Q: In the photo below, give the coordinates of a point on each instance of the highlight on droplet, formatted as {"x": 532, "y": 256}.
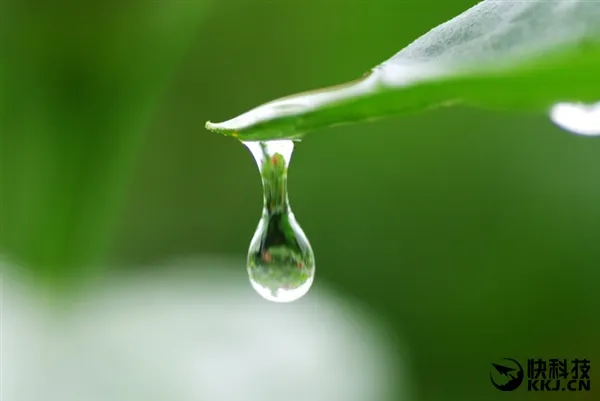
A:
{"x": 578, "y": 118}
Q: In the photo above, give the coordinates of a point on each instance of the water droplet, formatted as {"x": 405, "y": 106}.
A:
{"x": 578, "y": 118}
{"x": 281, "y": 263}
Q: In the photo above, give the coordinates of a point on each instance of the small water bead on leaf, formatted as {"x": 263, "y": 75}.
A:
{"x": 578, "y": 118}
{"x": 281, "y": 263}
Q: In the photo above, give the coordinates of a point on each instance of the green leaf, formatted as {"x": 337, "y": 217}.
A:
{"x": 519, "y": 55}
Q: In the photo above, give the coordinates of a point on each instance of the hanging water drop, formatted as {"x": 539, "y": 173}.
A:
{"x": 578, "y": 118}
{"x": 281, "y": 263}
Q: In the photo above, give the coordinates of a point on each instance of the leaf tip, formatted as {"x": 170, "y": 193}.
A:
{"x": 219, "y": 128}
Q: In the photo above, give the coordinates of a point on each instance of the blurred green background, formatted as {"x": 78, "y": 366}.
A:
{"x": 471, "y": 234}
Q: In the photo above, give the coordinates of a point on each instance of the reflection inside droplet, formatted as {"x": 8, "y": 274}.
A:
{"x": 281, "y": 263}
{"x": 578, "y": 118}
